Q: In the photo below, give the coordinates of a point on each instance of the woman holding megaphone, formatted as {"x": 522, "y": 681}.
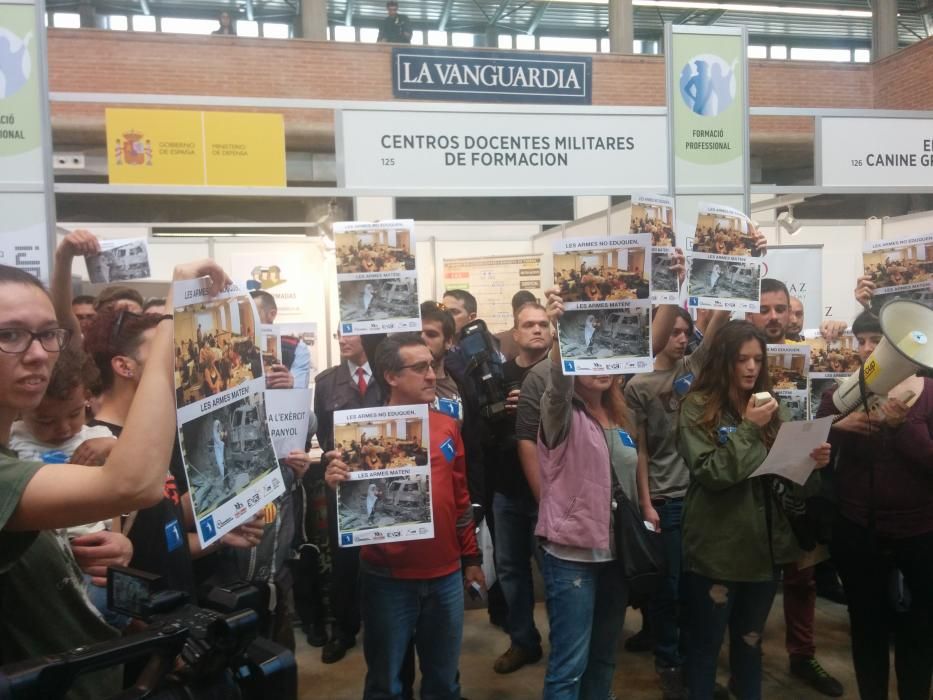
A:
{"x": 735, "y": 531}
{"x": 882, "y": 542}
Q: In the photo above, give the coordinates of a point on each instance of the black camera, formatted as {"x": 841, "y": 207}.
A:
{"x": 483, "y": 366}
{"x": 189, "y": 651}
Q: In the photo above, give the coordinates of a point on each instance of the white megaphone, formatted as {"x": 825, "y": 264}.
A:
{"x": 907, "y": 346}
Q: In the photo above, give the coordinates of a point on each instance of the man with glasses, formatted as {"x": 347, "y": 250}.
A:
{"x": 347, "y": 386}
{"x": 414, "y": 590}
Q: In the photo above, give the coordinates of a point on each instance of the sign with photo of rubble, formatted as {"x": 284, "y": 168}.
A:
{"x": 388, "y": 495}
{"x": 119, "y": 260}
{"x": 721, "y": 272}
{"x": 654, "y": 214}
{"x": 223, "y": 426}
{"x": 789, "y": 369}
{"x": 377, "y": 283}
{"x": 605, "y": 285}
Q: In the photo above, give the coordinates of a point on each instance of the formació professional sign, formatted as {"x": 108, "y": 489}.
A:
{"x": 491, "y": 76}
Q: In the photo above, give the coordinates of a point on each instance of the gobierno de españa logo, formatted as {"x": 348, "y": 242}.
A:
{"x": 707, "y": 85}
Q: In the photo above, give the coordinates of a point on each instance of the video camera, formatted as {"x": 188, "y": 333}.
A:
{"x": 220, "y": 654}
{"x": 483, "y": 366}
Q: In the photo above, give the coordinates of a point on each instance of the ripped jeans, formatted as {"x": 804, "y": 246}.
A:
{"x": 711, "y": 606}
{"x": 585, "y": 608}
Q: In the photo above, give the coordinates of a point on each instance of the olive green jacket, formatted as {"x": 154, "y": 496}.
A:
{"x": 725, "y": 522}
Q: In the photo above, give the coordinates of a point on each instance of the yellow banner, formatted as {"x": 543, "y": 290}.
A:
{"x": 182, "y": 147}
{"x": 245, "y": 149}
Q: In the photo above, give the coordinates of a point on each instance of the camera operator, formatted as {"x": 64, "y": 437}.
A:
{"x": 884, "y": 525}
{"x": 42, "y": 604}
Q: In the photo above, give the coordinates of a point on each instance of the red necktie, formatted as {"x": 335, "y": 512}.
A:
{"x": 361, "y": 380}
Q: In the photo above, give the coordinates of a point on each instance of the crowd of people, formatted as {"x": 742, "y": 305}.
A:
{"x": 373, "y": 257}
{"x": 662, "y": 235}
{"x": 722, "y": 241}
{"x": 603, "y": 283}
{"x": 92, "y": 477}
{"x": 900, "y": 272}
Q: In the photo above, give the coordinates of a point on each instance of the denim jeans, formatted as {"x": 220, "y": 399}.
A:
{"x": 515, "y": 521}
{"x": 586, "y": 608}
{"x": 713, "y": 605}
{"x": 664, "y": 611}
{"x": 395, "y": 611}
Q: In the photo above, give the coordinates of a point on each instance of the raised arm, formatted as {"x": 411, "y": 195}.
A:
{"x": 76, "y": 243}
{"x": 133, "y": 476}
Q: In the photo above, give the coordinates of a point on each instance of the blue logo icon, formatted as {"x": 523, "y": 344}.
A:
{"x": 707, "y": 85}
{"x": 694, "y": 301}
{"x": 207, "y": 528}
{"x": 346, "y": 328}
{"x": 569, "y": 366}
{"x": 346, "y": 539}
{"x": 15, "y": 66}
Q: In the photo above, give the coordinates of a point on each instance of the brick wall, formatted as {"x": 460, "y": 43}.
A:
{"x": 904, "y": 80}
{"x": 104, "y": 61}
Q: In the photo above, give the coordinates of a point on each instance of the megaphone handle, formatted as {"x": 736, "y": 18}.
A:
{"x": 863, "y": 392}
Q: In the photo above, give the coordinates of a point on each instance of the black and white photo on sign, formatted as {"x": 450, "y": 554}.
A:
{"x": 605, "y": 334}
{"x": 385, "y": 502}
{"x": 663, "y": 278}
{"x": 794, "y": 404}
{"x": 119, "y": 260}
{"x": 900, "y": 265}
{"x": 378, "y": 300}
{"x": 723, "y": 282}
{"x": 375, "y": 250}
{"x": 226, "y": 451}
{"x": 215, "y": 347}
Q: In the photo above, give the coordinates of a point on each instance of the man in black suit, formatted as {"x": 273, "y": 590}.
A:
{"x": 349, "y": 385}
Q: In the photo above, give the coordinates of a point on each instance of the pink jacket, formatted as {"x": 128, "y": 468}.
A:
{"x": 575, "y": 500}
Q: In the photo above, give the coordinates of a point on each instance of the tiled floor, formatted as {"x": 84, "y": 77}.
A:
{"x": 634, "y": 678}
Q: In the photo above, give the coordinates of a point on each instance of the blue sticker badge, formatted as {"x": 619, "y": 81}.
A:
{"x": 626, "y": 438}
{"x": 448, "y": 449}
{"x": 346, "y": 539}
{"x": 694, "y": 301}
{"x": 569, "y": 366}
{"x": 724, "y": 432}
{"x": 54, "y": 457}
{"x": 207, "y": 528}
{"x": 173, "y": 536}
{"x": 450, "y": 407}
{"x": 347, "y": 328}
{"x": 682, "y": 384}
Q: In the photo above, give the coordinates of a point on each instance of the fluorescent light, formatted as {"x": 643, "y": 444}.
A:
{"x": 735, "y": 7}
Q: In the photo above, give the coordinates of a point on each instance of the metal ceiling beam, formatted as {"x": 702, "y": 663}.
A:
{"x": 144, "y": 6}
{"x": 348, "y": 17}
{"x": 712, "y": 17}
{"x": 685, "y": 17}
{"x": 503, "y": 6}
{"x": 538, "y": 16}
{"x": 445, "y": 15}
{"x": 249, "y": 10}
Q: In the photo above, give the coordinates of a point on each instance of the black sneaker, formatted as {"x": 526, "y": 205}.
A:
{"x": 809, "y": 669}
{"x": 671, "y": 680}
{"x": 335, "y": 650}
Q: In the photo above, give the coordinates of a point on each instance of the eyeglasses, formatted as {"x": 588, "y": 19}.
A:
{"x": 418, "y": 367}
{"x": 18, "y": 340}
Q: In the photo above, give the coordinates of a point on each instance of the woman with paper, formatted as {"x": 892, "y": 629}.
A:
{"x": 735, "y": 530}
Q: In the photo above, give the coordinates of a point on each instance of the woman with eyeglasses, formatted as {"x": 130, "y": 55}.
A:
{"x": 585, "y": 441}
{"x": 41, "y": 610}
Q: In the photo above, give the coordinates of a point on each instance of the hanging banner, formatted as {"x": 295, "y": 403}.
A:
{"x": 877, "y": 152}
{"x": 708, "y": 100}
{"x": 800, "y": 267}
{"x": 185, "y": 147}
{"x": 25, "y": 181}
{"x": 493, "y": 281}
{"x": 420, "y": 150}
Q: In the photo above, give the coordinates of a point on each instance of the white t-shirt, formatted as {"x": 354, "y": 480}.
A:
{"x": 28, "y": 448}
